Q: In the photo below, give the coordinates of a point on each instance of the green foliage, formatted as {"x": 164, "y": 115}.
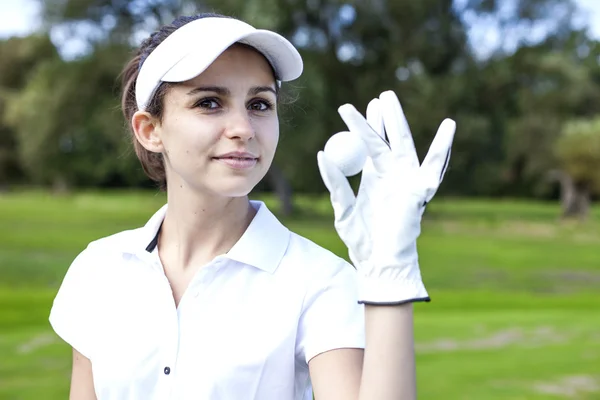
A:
{"x": 69, "y": 126}
{"x": 544, "y": 86}
{"x": 20, "y": 56}
{"x": 509, "y": 107}
{"x": 19, "y": 59}
{"x": 110, "y": 20}
{"x": 578, "y": 152}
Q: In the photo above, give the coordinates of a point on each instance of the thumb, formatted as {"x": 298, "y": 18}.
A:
{"x": 342, "y": 196}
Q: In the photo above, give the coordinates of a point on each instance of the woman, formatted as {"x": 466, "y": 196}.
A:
{"x": 213, "y": 298}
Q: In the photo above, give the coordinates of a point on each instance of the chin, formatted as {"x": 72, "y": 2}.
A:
{"x": 226, "y": 185}
{"x": 235, "y": 187}
{"x": 235, "y": 192}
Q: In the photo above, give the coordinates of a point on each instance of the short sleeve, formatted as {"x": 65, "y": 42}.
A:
{"x": 331, "y": 317}
{"x": 73, "y": 311}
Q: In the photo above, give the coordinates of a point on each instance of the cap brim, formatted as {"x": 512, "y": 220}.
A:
{"x": 281, "y": 54}
{"x": 192, "y": 48}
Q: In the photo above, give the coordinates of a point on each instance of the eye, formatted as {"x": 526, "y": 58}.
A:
{"x": 260, "y": 105}
{"x": 209, "y": 104}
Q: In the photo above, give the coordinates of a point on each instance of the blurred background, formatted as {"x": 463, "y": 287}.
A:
{"x": 509, "y": 250}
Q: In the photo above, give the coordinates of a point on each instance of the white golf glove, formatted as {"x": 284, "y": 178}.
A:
{"x": 381, "y": 224}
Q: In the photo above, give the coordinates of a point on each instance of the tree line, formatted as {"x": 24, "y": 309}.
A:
{"x": 526, "y": 113}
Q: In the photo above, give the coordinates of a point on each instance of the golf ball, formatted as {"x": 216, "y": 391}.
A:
{"x": 347, "y": 151}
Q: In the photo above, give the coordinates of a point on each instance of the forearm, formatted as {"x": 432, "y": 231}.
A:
{"x": 389, "y": 358}
{"x": 82, "y": 381}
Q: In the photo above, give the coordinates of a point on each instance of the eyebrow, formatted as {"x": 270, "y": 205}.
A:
{"x": 260, "y": 89}
{"x": 223, "y": 91}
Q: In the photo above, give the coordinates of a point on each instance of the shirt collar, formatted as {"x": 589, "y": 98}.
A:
{"x": 262, "y": 245}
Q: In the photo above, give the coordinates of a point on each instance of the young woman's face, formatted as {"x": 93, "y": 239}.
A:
{"x": 220, "y": 130}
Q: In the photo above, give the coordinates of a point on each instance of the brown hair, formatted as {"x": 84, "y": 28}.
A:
{"x": 152, "y": 163}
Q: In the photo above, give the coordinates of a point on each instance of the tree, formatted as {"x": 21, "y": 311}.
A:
{"x": 20, "y": 58}
{"x": 69, "y": 127}
{"x": 578, "y": 154}
{"x": 508, "y": 106}
{"x": 537, "y": 89}
{"x": 110, "y": 21}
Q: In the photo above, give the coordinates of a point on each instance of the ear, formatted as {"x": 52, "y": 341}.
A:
{"x": 147, "y": 131}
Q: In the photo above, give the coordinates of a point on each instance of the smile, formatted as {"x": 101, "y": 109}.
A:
{"x": 239, "y": 163}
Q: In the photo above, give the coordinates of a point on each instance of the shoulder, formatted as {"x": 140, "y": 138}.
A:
{"x": 102, "y": 254}
{"x": 304, "y": 249}
{"x": 331, "y": 317}
{"x": 318, "y": 264}
{"x": 267, "y": 241}
{"x": 88, "y": 284}
{"x": 117, "y": 242}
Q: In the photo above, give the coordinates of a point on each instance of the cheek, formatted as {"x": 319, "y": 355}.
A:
{"x": 189, "y": 137}
{"x": 270, "y": 135}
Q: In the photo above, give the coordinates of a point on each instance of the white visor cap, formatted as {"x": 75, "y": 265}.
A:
{"x": 190, "y": 50}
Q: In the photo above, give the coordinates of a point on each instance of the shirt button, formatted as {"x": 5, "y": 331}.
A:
{"x": 167, "y": 370}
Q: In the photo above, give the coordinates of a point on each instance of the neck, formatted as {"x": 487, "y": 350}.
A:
{"x": 196, "y": 229}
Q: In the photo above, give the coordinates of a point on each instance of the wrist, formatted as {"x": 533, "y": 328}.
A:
{"x": 390, "y": 287}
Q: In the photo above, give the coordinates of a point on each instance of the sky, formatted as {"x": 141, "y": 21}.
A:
{"x": 20, "y": 17}
{"x": 593, "y": 9}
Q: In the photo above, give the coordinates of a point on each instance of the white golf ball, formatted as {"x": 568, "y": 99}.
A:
{"x": 347, "y": 151}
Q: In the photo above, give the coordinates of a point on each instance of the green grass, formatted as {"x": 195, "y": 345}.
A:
{"x": 515, "y": 292}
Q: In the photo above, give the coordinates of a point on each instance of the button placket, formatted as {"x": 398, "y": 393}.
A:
{"x": 170, "y": 338}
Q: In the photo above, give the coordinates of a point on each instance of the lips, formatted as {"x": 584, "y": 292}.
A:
{"x": 244, "y": 155}
{"x": 235, "y": 158}
{"x": 238, "y": 160}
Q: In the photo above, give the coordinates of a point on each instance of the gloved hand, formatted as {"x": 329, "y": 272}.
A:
{"x": 381, "y": 224}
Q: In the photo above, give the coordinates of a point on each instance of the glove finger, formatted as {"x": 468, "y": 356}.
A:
{"x": 375, "y": 119}
{"x": 436, "y": 162}
{"x": 376, "y": 146}
{"x": 397, "y": 129}
{"x": 342, "y": 196}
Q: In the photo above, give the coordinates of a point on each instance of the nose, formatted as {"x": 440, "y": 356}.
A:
{"x": 239, "y": 125}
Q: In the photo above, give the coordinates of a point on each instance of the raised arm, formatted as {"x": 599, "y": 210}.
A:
{"x": 389, "y": 361}
{"x": 380, "y": 227}
{"x": 386, "y": 370}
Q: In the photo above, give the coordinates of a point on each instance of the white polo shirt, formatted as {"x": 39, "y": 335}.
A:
{"x": 245, "y": 328}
